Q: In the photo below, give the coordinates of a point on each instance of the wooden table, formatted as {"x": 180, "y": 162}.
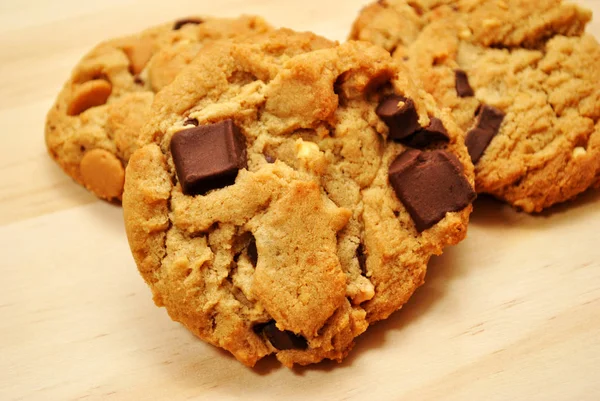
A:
{"x": 513, "y": 313}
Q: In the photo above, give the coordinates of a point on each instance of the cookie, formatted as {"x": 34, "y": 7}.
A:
{"x": 277, "y": 207}
{"x": 92, "y": 129}
{"x": 521, "y": 80}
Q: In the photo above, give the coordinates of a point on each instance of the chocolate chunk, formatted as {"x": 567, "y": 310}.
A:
{"x": 435, "y": 132}
{"x": 338, "y": 84}
{"x": 259, "y": 327}
{"x": 252, "y": 252}
{"x": 463, "y": 88}
{"x": 208, "y": 157}
{"x": 282, "y": 340}
{"x": 430, "y": 184}
{"x": 185, "y": 21}
{"x": 400, "y": 115}
{"x": 362, "y": 259}
{"x": 270, "y": 159}
{"x": 489, "y": 120}
{"x": 191, "y": 121}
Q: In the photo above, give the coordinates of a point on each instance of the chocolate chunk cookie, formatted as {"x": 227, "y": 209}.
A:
{"x": 92, "y": 129}
{"x": 280, "y": 205}
{"x": 521, "y": 79}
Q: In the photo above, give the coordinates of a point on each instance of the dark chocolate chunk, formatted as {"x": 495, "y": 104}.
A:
{"x": 259, "y": 327}
{"x": 362, "y": 259}
{"x": 208, "y": 157}
{"x": 270, "y": 159}
{"x": 435, "y": 132}
{"x": 489, "y": 120}
{"x": 430, "y": 184}
{"x": 191, "y": 121}
{"x": 282, "y": 340}
{"x": 337, "y": 85}
{"x": 178, "y": 24}
{"x": 402, "y": 120}
{"x": 463, "y": 88}
{"x": 252, "y": 252}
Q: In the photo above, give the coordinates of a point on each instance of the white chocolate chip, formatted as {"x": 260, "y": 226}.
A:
{"x": 503, "y": 4}
{"x": 490, "y": 23}
{"x": 309, "y": 154}
{"x": 579, "y": 152}
{"x": 306, "y": 150}
{"x": 365, "y": 293}
{"x": 465, "y": 34}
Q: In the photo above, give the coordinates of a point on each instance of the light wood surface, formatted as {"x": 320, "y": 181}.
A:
{"x": 513, "y": 313}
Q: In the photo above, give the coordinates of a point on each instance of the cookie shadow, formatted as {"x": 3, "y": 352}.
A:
{"x": 580, "y": 203}
{"x": 440, "y": 272}
{"x": 489, "y": 212}
{"x": 62, "y": 185}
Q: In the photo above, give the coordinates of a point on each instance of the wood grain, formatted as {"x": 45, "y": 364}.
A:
{"x": 513, "y": 313}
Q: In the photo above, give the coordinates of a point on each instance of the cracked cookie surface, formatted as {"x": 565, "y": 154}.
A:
{"x": 528, "y": 60}
{"x": 260, "y": 210}
{"x": 92, "y": 129}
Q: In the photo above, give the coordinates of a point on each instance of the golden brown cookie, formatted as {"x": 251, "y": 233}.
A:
{"x": 92, "y": 128}
{"x": 521, "y": 79}
{"x": 291, "y": 192}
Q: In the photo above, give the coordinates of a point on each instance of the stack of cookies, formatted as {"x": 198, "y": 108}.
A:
{"x": 282, "y": 192}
